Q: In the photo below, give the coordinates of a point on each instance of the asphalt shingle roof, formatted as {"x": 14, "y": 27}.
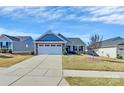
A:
{"x": 112, "y": 42}
{"x": 72, "y": 41}
{"x": 75, "y": 41}
{"x": 23, "y": 38}
{"x": 17, "y": 38}
{"x": 63, "y": 37}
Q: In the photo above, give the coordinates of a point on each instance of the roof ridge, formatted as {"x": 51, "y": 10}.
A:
{"x": 74, "y": 37}
{"x": 114, "y": 38}
{"x": 15, "y": 38}
{"x": 62, "y": 36}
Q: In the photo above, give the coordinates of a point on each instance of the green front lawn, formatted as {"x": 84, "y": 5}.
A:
{"x": 86, "y": 62}
{"x": 7, "y": 60}
{"x": 79, "y": 81}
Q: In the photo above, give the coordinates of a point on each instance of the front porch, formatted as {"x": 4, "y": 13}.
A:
{"x": 75, "y": 49}
{"x": 5, "y": 45}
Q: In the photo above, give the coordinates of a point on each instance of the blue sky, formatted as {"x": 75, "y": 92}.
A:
{"x": 70, "y": 21}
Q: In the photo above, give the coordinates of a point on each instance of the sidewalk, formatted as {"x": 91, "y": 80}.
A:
{"x": 84, "y": 73}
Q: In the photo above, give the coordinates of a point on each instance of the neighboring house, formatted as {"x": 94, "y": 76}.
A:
{"x": 111, "y": 47}
{"x": 17, "y": 44}
{"x": 51, "y": 43}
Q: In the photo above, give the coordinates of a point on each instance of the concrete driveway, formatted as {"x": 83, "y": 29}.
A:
{"x": 41, "y": 70}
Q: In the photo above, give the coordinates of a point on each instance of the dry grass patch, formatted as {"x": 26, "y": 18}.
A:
{"x": 86, "y": 62}
{"x": 7, "y": 60}
{"x": 85, "y": 81}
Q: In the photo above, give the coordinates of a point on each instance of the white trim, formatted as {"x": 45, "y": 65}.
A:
{"x": 12, "y": 46}
{"x": 49, "y": 42}
{"x": 21, "y": 51}
{"x": 7, "y": 37}
{"x": 60, "y": 38}
{"x": 35, "y": 49}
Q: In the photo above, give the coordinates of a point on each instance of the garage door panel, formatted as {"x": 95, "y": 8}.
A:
{"x": 56, "y": 50}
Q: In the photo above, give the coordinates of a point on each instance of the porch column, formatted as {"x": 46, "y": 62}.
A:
{"x": 35, "y": 48}
{"x": 12, "y": 46}
{"x": 78, "y": 49}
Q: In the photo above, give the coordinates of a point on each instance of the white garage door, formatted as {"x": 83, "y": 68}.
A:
{"x": 50, "y": 49}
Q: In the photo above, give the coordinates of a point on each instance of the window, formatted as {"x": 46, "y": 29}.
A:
{"x": 53, "y": 45}
{"x": 47, "y": 45}
{"x": 80, "y": 48}
{"x": 26, "y": 45}
{"x": 4, "y": 44}
{"x": 75, "y": 47}
{"x": 41, "y": 45}
{"x": 121, "y": 48}
{"x": 58, "y": 45}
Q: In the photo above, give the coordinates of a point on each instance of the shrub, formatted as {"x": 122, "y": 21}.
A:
{"x": 64, "y": 52}
{"x": 4, "y": 50}
{"x": 119, "y": 56}
{"x": 31, "y": 53}
{"x": 10, "y": 51}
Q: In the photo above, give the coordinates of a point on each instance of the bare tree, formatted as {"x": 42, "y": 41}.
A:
{"x": 95, "y": 42}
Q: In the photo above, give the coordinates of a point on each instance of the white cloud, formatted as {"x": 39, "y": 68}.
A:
{"x": 109, "y": 15}
{"x": 17, "y": 33}
{"x": 36, "y": 13}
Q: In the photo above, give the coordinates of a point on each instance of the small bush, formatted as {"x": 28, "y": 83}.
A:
{"x": 4, "y": 50}
{"x": 64, "y": 52}
{"x": 119, "y": 56}
{"x": 10, "y": 51}
{"x": 31, "y": 53}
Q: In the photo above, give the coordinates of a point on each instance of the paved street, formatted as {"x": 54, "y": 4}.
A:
{"x": 41, "y": 70}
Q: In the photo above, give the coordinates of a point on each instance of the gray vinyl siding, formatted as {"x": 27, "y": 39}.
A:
{"x": 21, "y": 46}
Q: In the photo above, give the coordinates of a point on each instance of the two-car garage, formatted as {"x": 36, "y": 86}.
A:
{"x": 49, "y": 43}
{"x": 50, "y": 49}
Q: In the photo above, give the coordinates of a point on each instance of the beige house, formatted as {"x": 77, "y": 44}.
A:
{"x": 111, "y": 48}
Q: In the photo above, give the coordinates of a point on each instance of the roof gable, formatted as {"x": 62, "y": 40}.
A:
{"x": 49, "y": 36}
